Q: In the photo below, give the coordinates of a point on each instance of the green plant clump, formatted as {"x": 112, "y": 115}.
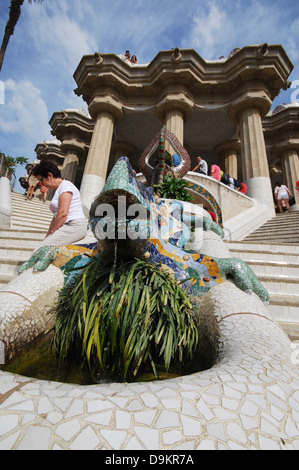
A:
{"x": 119, "y": 318}
{"x": 173, "y": 188}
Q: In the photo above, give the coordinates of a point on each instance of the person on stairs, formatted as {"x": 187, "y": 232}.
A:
{"x": 282, "y": 196}
{"x": 32, "y": 183}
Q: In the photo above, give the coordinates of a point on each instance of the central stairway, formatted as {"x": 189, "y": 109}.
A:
{"x": 272, "y": 251}
{"x": 281, "y": 229}
{"x": 29, "y": 225}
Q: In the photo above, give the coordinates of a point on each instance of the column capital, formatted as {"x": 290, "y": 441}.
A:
{"x": 50, "y": 150}
{"x": 175, "y": 102}
{"x": 284, "y": 145}
{"x": 227, "y": 146}
{"x": 106, "y": 104}
{"x": 74, "y": 145}
{"x": 257, "y": 99}
{"x": 122, "y": 146}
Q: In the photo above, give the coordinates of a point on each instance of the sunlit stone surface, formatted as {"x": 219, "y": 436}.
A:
{"x": 248, "y": 400}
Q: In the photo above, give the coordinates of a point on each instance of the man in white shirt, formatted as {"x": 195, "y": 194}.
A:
{"x": 201, "y": 167}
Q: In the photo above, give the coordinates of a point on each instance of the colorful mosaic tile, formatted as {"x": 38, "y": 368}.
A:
{"x": 154, "y": 175}
{"x": 161, "y": 243}
{"x": 209, "y": 197}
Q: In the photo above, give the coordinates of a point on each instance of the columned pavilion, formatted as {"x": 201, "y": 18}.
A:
{"x": 217, "y": 109}
{"x": 206, "y": 104}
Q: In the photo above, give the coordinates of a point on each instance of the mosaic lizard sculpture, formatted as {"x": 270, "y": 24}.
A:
{"x": 155, "y": 175}
{"x": 128, "y": 215}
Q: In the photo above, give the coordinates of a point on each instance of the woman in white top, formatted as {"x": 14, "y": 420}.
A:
{"x": 68, "y": 224}
{"x": 282, "y": 195}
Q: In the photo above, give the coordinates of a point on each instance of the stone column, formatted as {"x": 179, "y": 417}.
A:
{"x": 122, "y": 149}
{"x": 173, "y": 110}
{"x": 231, "y": 163}
{"x": 174, "y": 121}
{"x": 70, "y": 165}
{"x": 255, "y": 169}
{"x": 290, "y": 172}
{"x": 73, "y": 128}
{"x": 229, "y": 152}
{"x": 105, "y": 113}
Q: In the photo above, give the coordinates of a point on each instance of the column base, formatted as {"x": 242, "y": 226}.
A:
{"x": 91, "y": 186}
{"x": 259, "y": 188}
{"x": 5, "y": 203}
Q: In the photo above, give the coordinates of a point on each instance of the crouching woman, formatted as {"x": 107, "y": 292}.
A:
{"x": 68, "y": 224}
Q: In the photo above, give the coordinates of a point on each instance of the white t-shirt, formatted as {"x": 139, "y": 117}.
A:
{"x": 75, "y": 210}
{"x": 203, "y": 166}
{"x": 281, "y": 192}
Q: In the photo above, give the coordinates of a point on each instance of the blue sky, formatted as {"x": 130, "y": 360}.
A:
{"x": 51, "y": 38}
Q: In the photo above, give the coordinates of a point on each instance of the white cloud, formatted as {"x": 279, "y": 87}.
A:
{"x": 59, "y": 38}
{"x": 24, "y": 111}
{"x": 218, "y": 26}
{"x": 209, "y": 29}
{"x": 292, "y": 41}
{"x": 208, "y": 25}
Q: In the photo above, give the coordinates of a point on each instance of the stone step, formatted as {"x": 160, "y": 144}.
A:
{"x": 22, "y": 210}
{"x": 284, "y": 309}
{"x": 281, "y": 266}
{"x": 35, "y": 214}
{"x": 281, "y": 229}
{"x": 6, "y": 278}
{"x": 290, "y": 214}
{"x": 279, "y": 232}
{"x": 285, "y": 216}
{"x": 22, "y": 202}
{"x": 267, "y": 251}
{"x": 274, "y": 241}
{"x": 19, "y": 224}
{"x": 12, "y": 234}
{"x": 30, "y": 222}
{"x": 285, "y": 299}
{"x": 19, "y": 243}
{"x": 32, "y": 206}
{"x": 9, "y": 267}
{"x": 30, "y": 219}
{"x": 269, "y": 269}
{"x": 274, "y": 238}
{"x": 20, "y": 198}
{"x": 281, "y": 286}
{"x": 15, "y": 253}
{"x": 15, "y": 195}
{"x": 277, "y": 227}
{"x": 277, "y": 267}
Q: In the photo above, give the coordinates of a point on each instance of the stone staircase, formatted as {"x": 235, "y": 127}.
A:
{"x": 30, "y": 222}
{"x": 272, "y": 252}
{"x": 283, "y": 228}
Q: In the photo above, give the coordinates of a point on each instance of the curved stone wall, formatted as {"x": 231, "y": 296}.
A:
{"x": 248, "y": 400}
